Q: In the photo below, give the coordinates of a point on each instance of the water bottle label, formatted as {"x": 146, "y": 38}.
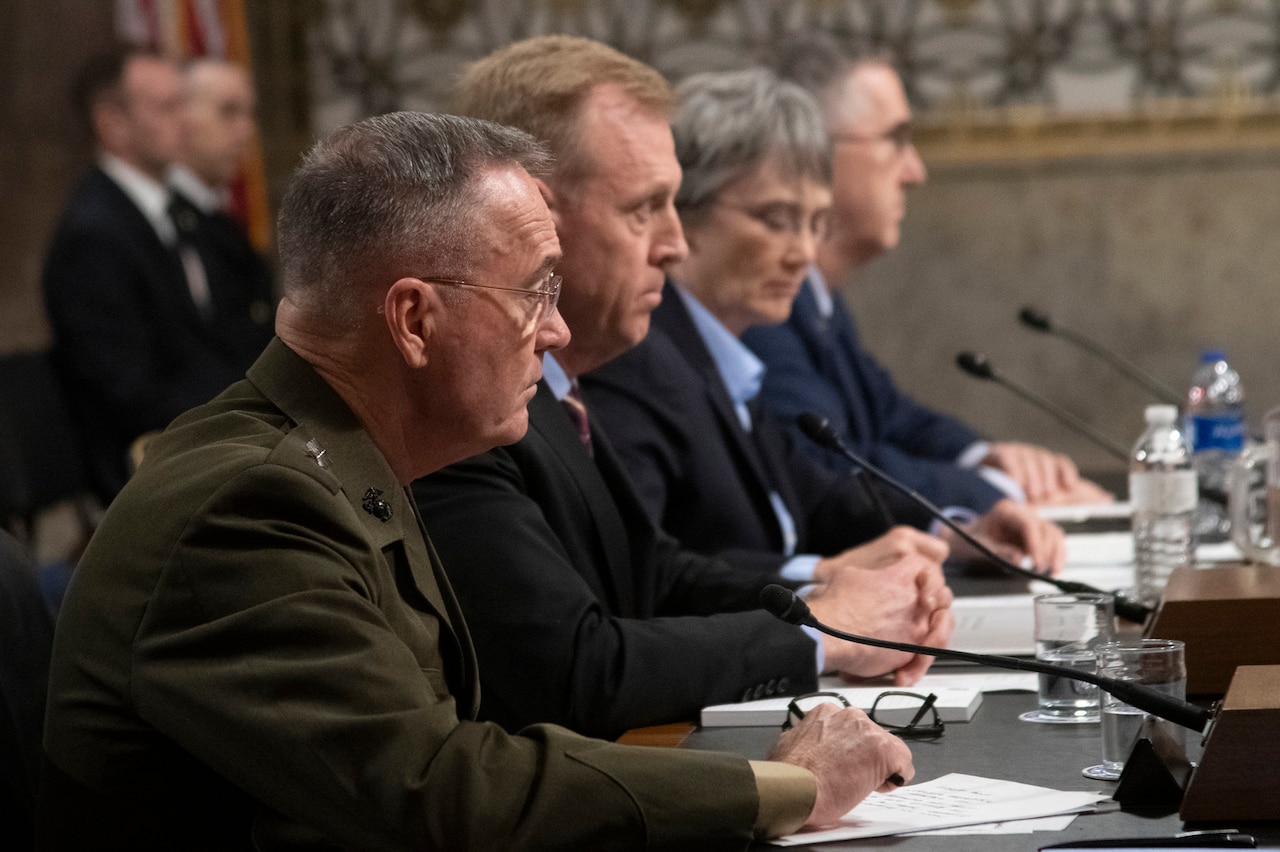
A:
{"x": 1163, "y": 492}
{"x": 1216, "y": 433}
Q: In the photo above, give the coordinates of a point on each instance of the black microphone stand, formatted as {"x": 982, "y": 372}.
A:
{"x": 979, "y": 367}
{"x": 786, "y": 605}
{"x": 1032, "y": 318}
{"x": 819, "y": 431}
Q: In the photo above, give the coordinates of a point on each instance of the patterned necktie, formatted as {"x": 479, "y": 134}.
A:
{"x": 577, "y": 409}
{"x": 185, "y": 220}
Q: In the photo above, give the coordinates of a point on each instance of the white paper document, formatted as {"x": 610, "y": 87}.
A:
{"x": 1017, "y": 826}
{"x": 952, "y": 800}
{"x": 1118, "y": 509}
{"x": 987, "y": 681}
{"x": 993, "y": 624}
{"x": 1111, "y": 548}
{"x": 1091, "y": 550}
{"x": 954, "y": 704}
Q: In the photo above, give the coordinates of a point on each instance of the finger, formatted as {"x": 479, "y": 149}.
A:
{"x": 946, "y": 598}
{"x": 940, "y": 628}
{"x": 929, "y": 546}
{"x": 1059, "y": 554}
{"x": 929, "y": 579}
{"x": 1068, "y": 475}
{"x": 1043, "y": 475}
{"x": 1036, "y": 541}
{"x": 898, "y": 763}
{"x": 902, "y": 542}
{"x": 910, "y": 674}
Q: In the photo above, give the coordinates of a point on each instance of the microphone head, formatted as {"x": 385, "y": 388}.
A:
{"x": 784, "y": 603}
{"x": 818, "y": 429}
{"x": 976, "y": 364}
{"x": 1034, "y": 319}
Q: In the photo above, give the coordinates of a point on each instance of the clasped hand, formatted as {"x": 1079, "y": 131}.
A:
{"x": 891, "y": 588}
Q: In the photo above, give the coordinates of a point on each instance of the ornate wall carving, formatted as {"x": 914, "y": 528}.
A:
{"x": 1116, "y": 162}
{"x": 989, "y": 79}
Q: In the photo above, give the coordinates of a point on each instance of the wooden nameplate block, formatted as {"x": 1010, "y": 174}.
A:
{"x": 1228, "y": 616}
{"x": 1239, "y": 773}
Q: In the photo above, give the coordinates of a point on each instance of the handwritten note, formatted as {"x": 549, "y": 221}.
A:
{"x": 951, "y": 800}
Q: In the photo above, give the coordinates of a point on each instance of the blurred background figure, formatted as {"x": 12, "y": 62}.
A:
{"x": 142, "y": 329}
{"x": 218, "y": 128}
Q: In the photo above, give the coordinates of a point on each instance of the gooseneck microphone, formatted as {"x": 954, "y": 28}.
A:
{"x": 979, "y": 367}
{"x": 1032, "y": 318}
{"x": 818, "y": 430}
{"x": 787, "y": 605}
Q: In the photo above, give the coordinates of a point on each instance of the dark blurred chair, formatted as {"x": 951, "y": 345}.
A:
{"x": 40, "y": 463}
{"x": 26, "y": 638}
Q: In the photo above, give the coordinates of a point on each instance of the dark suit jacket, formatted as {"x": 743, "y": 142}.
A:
{"x": 253, "y": 656}
{"x": 26, "y": 633}
{"x": 585, "y": 614}
{"x": 818, "y": 364}
{"x": 130, "y": 347}
{"x": 700, "y": 474}
{"x": 240, "y": 287}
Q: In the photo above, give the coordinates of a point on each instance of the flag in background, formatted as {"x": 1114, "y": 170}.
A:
{"x": 185, "y": 29}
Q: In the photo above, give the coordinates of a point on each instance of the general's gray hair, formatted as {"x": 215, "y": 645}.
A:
{"x": 392, "y": 195}
{"x": 727, "y": 123}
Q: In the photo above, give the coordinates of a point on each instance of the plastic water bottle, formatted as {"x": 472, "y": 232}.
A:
{"x": 1162, "y": 489}
{"x": 1215, "y": 430}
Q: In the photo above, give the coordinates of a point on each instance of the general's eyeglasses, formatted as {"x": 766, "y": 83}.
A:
{"x": 548, "y": 293}
{"x": 907, "y": 714}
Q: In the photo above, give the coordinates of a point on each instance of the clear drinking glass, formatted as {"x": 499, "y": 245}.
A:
{"x": 1069, "y": 628}
{"x": 1158, "y": 663}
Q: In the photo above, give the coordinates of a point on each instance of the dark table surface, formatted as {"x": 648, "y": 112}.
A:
{"x": 995, "y": 744}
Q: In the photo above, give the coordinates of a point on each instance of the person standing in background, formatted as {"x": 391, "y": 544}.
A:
{"x": 218, "y": 128}
{"x": 127, "y": 292}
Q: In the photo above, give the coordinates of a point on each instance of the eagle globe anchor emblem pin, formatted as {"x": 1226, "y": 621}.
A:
{"x": 373, "y": 503}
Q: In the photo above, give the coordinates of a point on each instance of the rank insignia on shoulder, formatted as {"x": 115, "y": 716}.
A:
{"x": 375, "y": 505}
{"x": 318, "y": 453}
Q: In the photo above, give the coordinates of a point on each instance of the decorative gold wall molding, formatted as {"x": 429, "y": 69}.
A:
{"x": 1028, "y": 134}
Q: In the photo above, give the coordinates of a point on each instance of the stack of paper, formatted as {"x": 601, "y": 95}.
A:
{"x": 952, "y": 800}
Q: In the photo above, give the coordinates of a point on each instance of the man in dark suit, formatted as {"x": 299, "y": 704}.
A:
{"x": 583, "y": 613}
{"x": 719, "y": 487}
{"x": 218, "y": 128}
{"x": 815, "y": 359}
{"x": 260, "y": 648}
{"x": 137, "y": 339}
{"x": 682, "y": 407}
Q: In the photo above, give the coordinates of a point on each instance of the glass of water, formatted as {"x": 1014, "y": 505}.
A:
{"x": 1069, "y": 628}
{"x": 1158, "y": 663}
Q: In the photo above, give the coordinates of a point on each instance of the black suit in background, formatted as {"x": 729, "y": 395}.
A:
{"x": 240, "y": 282}
{"x": 700, "y": 474}
{"x": 582, "y": 612}
{"x": 130, "y": 346}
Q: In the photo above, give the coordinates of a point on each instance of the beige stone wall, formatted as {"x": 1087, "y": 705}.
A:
{"x": 1153, "y": 256}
